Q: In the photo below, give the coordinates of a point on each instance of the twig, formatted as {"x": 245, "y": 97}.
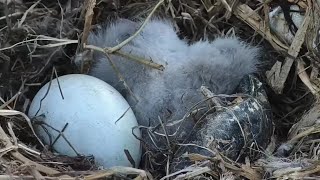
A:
{"x": 194, "y": 173}
{"x": 29, "y": 177}
{"x": 13, "y": 136}
{"x": 226, "y": 5}
{"x": 4, "y": 112}
{"x": 26, "y": 13}
{"x": 278, "y": 84}
{"x": 7, "y": 149}
{"x": 60, "y": 134}
{"x": 165, "y": 132}
{"x": 11, "y": 15}
{"x": 36, "y": 174}
{"x": 62, "y": 19}
{"x": 119, "y": 170}
{"x": 43, "y": 38}
{"x": 208, "y": 94}
{"x": 3, "y": 101}
{"x": 140, "y": 60}
{"x": 202, "y": 147}
{"x": 26, "y": 148}
{"x": 58, "y": 44}
{"x": 17, "y": 155}
{"x": 250, "y": 17}
{"x": 90, "y": 4}
{"x": 129, "y": 56}
{"x": 121, "y": 78}
{"x": 39, "y": 167}
{"x": 119, "y": 46}
{"x": 10, "y": 100}
{"x": 305, "y": 78}
{"x": 305, "y": 133}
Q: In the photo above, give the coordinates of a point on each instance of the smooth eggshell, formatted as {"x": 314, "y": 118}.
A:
{"x": 99, "y": 119}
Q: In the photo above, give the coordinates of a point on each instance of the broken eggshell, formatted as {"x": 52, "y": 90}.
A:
{"x": 237, "y": 131}
{"x": 99, "y": 119}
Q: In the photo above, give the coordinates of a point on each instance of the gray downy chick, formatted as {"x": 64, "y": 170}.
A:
{"x": 169, "y": 94}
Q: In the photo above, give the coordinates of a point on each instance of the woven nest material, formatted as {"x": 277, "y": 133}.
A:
{"x": 40, "y": 39}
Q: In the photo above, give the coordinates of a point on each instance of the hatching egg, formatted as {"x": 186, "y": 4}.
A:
{"x": 94, "y": 117}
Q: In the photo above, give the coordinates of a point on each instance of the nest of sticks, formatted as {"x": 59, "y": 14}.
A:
{"x": 39, "y": 40}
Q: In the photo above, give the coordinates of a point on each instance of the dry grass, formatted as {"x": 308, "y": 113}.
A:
{"x": 40, "y": 39}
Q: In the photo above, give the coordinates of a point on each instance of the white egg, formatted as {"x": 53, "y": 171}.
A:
{"x": 100, "y": 121}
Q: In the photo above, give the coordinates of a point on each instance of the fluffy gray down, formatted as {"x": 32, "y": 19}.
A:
{"x": 169, "y": 94}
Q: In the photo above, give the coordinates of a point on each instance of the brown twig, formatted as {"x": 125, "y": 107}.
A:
{"x": 20, "y": 157}
{"x": 277, "y": 80}
{"x": 250, "y": 17}
{"x": 90, "y": 4}
{"x": 129, "y": 56}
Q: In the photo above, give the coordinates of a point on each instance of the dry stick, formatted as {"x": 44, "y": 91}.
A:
{"x": 28, "y": 149}
{"x": 209, "y": 95}
{"x": 58, "y": 44}
{"x": 26, "y": 13}
{"x": 284, "y": 172}
{"x": 17, "y": 155}
{"x": 13, "y": 136}
{"x": 226, "y": 5}
{"x": 129, "y": 56}
{"x": 6, "y": 12}
{"x": 305, "y": 133}
{"x": 305, "y": 78}
{"x": 17, "y": 44}
{"x": 276, "y": 69}
{"x": 140, "y": 60}
{"x": 313, "y": 31}
{"x": 3, "y": 102}
{"x": 266, "y": 18}
{"x": 304, "y": 173}
{"x": 6, "y": 150}
{"x": 250, "y": 17}
{"x": 165, "y": 132}
{"x": 49, "y": 38}
{"x": 90, "y": 4}
{"x": 192, "y": 169}
{"x": 68, "y": 41}
{"x": 62, "y": 19}
{"x": 168, "y": 166}
{"x": 198, "y": 146}
{"x": 4, "y": 112}
{"x": 36, "y": 174}
{"x": 14, "y": 98}
{"x": 293, "y": 51}
{"x": 11, "y": 15}
{"x": 118, "y": 170}
{"x": 6, "y": 104}
{"x": 29, "y": 177}
{"x": 194, "y": 173}
{"x": 43, "y": 38}
{"x": 300, "y": 3}
{"x": 83, "y": 10}
{"x": 119, "y": 46}
{"x": 121, "y": 78}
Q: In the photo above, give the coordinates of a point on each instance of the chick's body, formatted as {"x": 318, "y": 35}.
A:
{"x": 169, "y": 94}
